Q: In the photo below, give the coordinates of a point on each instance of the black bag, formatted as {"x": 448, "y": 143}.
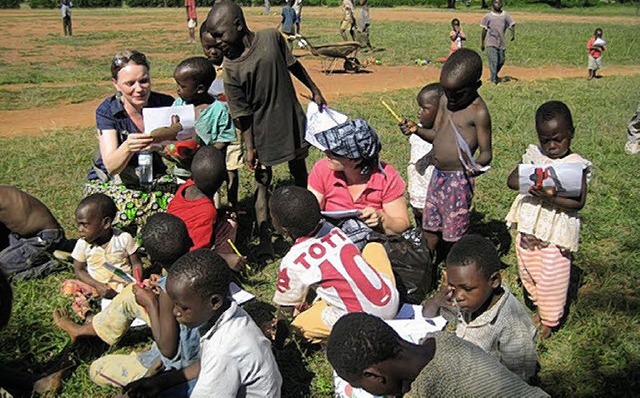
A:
{"x": 410, "y": 261}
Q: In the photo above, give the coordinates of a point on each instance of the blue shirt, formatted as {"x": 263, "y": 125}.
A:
{"x": 111, "y": 115}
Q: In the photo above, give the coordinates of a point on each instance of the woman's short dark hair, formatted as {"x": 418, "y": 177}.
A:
{"x": 124, "y": 58}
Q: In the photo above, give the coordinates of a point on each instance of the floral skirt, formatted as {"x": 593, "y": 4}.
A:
{"x": 135, "y": 206}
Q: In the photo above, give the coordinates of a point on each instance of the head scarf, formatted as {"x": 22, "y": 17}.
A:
{"x": 353, "y": 140}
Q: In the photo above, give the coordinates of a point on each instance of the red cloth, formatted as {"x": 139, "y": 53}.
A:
{"x": 199, "y": 215}
{"x": 593, "y": 53}
{"x": 381, "y": 188}
{"x": 191, "y": 9}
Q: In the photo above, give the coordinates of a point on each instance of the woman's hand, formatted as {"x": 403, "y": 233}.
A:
{"x": 137, "y": 142}
{"x": 371, "y": 217}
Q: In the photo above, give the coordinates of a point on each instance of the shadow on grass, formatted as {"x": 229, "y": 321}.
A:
{"x": 494, "y": 230}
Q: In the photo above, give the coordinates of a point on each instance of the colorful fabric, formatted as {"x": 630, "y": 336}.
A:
{"x": 115, "y": 252}
{"x": 384, "y": 186}
{"x": 214, "y": 123}
{"x": 331, "y": 264}
{"x": 548, "y": 223}
{"x": 593, "y": 53}
{"x": 236, "y": 359}
{"x": 198, "y": 215}
{"x": 506, "y": 332}
{"x": 353, "y": 140}
{"x": 135, "y": 206}
{"x": 191, "y": 9}
{"x": 112, "y": 323}
{"x": 252, "y": 84}
{"x": 545, "y": 273}
{"x": 448, "y": 205}
{"x": 496, "y": 26}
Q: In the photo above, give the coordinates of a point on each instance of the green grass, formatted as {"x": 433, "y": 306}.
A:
{"x": 596, "y": 351}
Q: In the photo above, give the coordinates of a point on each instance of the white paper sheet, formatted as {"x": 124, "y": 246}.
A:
{"x": 239, "y": 295}
{"x": 565, "y": 177}
{"x": 321, "y": 121}
{"x": 161, "y": 117}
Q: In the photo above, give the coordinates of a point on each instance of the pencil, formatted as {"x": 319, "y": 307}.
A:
{"x": 138, "y": 277}
{"x": 110, "y": 380}
{"x": 395, "y": 115}
{"x": 235, "y": 249}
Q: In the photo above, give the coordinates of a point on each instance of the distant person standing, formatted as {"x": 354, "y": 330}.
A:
{"x": 192, "y": 19}
{"x": 65, "y": 10}
{"x": 496, "y": 24}
{"x": 363, "y": 25}
{"x": 297, "y": 7}
{"x": 348, "y": 20}
{"x": 595, "y": 46}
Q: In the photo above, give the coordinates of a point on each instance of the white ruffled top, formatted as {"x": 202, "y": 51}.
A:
{"x": 546, "y": 222}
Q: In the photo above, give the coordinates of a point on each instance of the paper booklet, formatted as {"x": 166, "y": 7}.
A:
{"x": 318, "y": 122}
{"x": 162, "y": 117}
{"x": 566, "y": 178}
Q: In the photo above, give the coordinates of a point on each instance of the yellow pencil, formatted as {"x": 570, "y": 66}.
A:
{"x": 398, "y": 118}
{"x": 235, "y": 249}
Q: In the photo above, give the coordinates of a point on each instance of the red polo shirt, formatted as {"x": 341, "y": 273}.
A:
{"x": 381, "y": 188}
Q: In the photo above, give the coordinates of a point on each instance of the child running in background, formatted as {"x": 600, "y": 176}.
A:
{"x": 457, "y": 36}
{"x": 193, "y": 203}
{"x": 102, "y": 254}
{"x": 367, "y": 352}
{"x": 323, "y": 258}
{"x": 489, "y": 316}
{"x": 548, "y": 224}
{"x": 420, "y": 166}
{"x": 595, "y": 46}
{"x": 463, "y": 125}
{"x": 235, "y": 357}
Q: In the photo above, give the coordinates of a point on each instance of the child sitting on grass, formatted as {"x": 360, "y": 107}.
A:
{"x": 165, "y": 239}
{"x": 323, "y": 258}
{"x": 193, "y": 203}
{"x": 235, "y": 357}
{"x": 489, "y": 316}
{"x": 420, "y": 168}
{"x": 29, "y": 234}
{"x": 462, "y": 126}
{"x": 104, "y": 257}
{"x": 369, "y": 354}
{"x": 548, "y": 224}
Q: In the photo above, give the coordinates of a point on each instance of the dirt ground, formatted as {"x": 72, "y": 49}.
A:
{"x": 377, "y": 79}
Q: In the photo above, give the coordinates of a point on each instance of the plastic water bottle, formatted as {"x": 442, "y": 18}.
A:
{"x": 145, "y": 168}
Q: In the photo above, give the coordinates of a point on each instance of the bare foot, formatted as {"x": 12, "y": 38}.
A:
{"x": 535, "y": 318}
{"x": 545, "y": 331}
{"x": 62, "y": 320}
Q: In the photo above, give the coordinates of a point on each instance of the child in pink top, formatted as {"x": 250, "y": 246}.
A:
{"x": 595, "y": 46}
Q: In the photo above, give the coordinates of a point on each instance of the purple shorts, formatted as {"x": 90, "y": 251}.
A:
{"x": 448, "y": 205}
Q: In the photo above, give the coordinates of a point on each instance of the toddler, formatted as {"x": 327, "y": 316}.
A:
{"x": 489, "y": 316}
{"x": 595, "y": 46}
{"x": 420, "y": 168}
{"x": 323, "y": 258}
{"x": 548, "y": 225}
{"x": 104, "y": 256}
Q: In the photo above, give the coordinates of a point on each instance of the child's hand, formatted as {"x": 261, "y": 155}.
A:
{"x": 106, "y": 291}
{"x": 408, "y": 127}
{"x": 251, "y": 158}
{"x": 145, "y": 297}
{"x": 544, "y": 193}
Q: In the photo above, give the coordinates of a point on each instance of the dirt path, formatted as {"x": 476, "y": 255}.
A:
{"x": 380, "y": 79}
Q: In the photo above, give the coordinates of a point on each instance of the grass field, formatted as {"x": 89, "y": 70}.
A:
{"x": 596, "y": 353}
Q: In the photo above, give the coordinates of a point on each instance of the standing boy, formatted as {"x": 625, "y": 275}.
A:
{"x": 65, "y": 10}
{"x": 595, "y": 46}
{"x": 348, "y": 20}
{"x": 297, "y": 7}
{"x": 363, "y": 25}
{"x": 192, "y": 19}
{"x": 496, "y": 23}
{"x": 29, "y": 234}
{"x": 369, "y": 354}
{"x": 263, "y": 102}
{"x": 463, "y": 125}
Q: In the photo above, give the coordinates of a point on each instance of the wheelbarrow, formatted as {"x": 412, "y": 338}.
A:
{"x": 334, "y": 52}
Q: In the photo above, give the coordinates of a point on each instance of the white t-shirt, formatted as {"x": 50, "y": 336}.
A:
{"x": 342, "y": 278}
{"x": 115, "y": 252}
{"x": 236, "y": 360}
{"x": 418, "y": 183}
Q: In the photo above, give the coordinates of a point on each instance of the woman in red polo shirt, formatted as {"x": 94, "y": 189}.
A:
{"x": 352, "y": 177}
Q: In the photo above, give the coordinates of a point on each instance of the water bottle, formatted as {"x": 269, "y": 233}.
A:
{"x": 145, "y": 168}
